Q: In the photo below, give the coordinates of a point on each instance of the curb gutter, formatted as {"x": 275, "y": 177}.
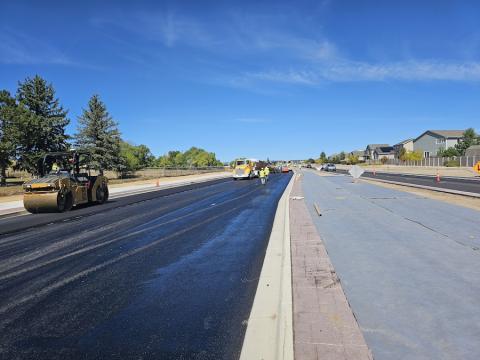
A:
{"x": 269, "y": 333}
{"x": 13, "y": 212}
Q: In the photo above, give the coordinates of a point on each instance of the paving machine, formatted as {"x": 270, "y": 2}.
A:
{"x": 65, "y": 181}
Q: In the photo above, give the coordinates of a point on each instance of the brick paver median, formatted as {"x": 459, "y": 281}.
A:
{"x": 323, "y": 322}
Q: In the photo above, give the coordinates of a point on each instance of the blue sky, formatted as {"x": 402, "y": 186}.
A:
{"x": 262, "y": 78}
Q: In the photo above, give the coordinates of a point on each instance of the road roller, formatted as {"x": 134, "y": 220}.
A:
{"x": 65, "y": 181}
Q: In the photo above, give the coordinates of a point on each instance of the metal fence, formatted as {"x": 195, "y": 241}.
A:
{"x": 456, "y": 161}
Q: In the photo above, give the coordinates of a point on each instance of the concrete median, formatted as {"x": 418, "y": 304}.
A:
{"x": 269, "y": 332}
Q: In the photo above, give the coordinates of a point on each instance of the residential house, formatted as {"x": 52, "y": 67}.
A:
{"x": 384, "y": 152}
{"x": 405, "y": 144}
{"x": 368, "y": 153}
{"x": 360, "y": 154}
{"x": 432, "y": 141}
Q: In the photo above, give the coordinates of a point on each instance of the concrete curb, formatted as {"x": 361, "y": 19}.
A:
{"x": 13, "y": 212}
{"x": 432, "y": 188}
{"x": 269, "y": 332}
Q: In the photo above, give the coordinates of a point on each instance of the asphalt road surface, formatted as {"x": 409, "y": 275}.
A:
{"x": 408, "y": 265}
{"x": 461, "y": 184}
{"x": 164, "y": 275}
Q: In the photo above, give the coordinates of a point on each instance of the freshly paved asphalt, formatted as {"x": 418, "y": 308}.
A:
{"x": 409, "y": 267}
{"x": 461, "y": 184}
{"x": 163, "y": 275}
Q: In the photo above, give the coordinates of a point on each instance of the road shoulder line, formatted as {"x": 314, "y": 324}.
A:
{"x": 324, "y": 325}
{"x": 269, "y": 334}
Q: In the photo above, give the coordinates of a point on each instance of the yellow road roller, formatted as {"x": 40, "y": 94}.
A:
{"x": 65, "y": 181}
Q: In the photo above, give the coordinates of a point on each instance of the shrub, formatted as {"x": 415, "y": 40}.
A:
{"x": 451, "y": 163}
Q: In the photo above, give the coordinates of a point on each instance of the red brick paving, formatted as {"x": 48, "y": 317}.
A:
{"x": 323, "y": 323}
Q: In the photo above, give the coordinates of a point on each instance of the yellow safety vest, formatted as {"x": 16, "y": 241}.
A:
{"x": 262, "y": 173}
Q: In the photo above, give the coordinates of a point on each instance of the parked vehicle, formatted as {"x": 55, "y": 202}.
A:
{"x": 330, "y": 167}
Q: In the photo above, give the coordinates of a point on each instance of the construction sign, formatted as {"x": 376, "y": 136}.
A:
{"x": 476, "y": 167}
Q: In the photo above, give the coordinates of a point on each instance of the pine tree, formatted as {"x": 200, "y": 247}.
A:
{"x": 98, "y": 134}
{"x": 8, "y": 133}
{"x": 42, "y": 124}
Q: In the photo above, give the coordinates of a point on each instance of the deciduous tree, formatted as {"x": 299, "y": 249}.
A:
{"x": 136, "y": 157}
{"x": 470, "y": 137}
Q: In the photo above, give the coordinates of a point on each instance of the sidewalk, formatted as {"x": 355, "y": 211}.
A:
{"x": 324, "y": 324}
{"x": 14, "y": 204}
{"x": 408, "y": 265}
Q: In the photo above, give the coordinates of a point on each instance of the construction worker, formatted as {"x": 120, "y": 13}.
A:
{"x": 267, "y": 172}
{"x": 55, "y": 167}
{"x": 262, "y": 176}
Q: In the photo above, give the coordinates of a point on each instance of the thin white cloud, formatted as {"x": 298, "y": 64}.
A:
{"x": 292, "y": 56}
{"x": 351, "y": 71}
{"x": 252, "y": 120}
{"x": 165, "y": 27}
{"x": 301, "y": 77}
{"x": 18, "y": 48}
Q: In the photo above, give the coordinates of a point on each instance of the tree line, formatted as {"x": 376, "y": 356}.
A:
{"x": 33, "y": 122}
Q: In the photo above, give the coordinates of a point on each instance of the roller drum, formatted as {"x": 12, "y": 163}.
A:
{"x": 45, "y": 202}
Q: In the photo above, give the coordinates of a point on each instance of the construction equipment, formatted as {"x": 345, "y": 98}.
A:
{"x": 244, "y": 169}
{"x": 247, "y": 168}
{"x": 65, "y": 181}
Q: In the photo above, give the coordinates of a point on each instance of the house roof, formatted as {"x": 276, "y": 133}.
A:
{"x": 449, "y": 134}
{"x": 404, "y": 142}
{"x": 384, "y": 150}
{"x": 374, "y": 146}
{"x": 357, "y": 152}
